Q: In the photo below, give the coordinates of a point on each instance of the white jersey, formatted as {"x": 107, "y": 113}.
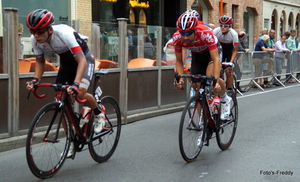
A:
{"x": 228, "y": 40}
{"x": 64, "y": 40}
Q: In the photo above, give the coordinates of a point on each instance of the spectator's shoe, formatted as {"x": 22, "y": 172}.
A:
{"x": 99, "y": 123}
{"x": 277, "y": 84}
{"x": 241, "y": 90}
{"x": 71, "y": 150}
{"x": 225, "y": 109}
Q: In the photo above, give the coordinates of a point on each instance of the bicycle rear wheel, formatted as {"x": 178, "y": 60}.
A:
{"x": 192, "y": 130}
{"x": 102, "y": 145}
{"x": 227, "y": 128}
{"x": 48, "y": 141}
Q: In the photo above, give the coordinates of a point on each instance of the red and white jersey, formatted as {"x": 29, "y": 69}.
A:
{"x": 230, "y": 39}
{"x": 64, "y": 40}
{"x": 204, "y": 41}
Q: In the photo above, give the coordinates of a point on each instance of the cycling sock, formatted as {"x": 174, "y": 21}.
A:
{"x": 224, "y": 98}
{"x": 229, "y": 88}
{"x": 97, "y": 110}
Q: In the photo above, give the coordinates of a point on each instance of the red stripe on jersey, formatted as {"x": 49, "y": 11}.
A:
{"x": 235, "y": 44}
{"x": 76, "y": 49}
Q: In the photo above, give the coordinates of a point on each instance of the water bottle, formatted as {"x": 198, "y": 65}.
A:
{"x": 210, "y": 104}
{"x": 216, "y": 104}
{"x": 85, "y": 115}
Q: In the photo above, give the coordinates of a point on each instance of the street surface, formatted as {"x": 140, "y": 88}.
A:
{"x": 266, "y": 148}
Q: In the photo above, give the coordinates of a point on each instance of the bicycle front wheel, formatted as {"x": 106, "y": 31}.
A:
{"x": 227, "y": 128}
{"x": 48, "y": 141}
{"x": 192, "y": 130}
{"x": 102, "y": 145}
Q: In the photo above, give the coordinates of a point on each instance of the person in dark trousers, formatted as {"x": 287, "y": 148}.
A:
{"x": 242, "y": 48}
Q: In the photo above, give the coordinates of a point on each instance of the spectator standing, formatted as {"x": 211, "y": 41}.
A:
{"x": 291, "y": 45}
{"x": 272, "y": 41}
{"x": 242, "y": 48}
{"x": 20, "y": 33}
{"x": 149, "y": 50}
{"x": 280, "y": 55}
{"x": 260, "y": 59}
{"x": 103, "y": 43}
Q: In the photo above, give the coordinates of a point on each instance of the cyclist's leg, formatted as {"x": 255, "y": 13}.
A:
{"x": 229, "y": 78}
{"x": 85, "y": 83}
{"x": 222, "y": 90}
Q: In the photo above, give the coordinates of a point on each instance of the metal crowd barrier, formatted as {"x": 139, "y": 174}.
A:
{"x": 261, "y": 69}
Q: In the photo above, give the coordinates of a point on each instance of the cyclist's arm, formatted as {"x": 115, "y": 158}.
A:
{"x": 39, "y": 67}
{"x": 216, "y": 64}
{"x": 234, "y": 54}
{"x": 179, "y": 61}
{"x": 82, "y": 64}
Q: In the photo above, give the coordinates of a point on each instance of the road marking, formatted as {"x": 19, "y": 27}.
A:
{"x": 263, "y": 92}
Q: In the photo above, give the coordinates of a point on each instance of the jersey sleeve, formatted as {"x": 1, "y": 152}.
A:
{"x": 69, "y": 38}
{"x": 209, "y": 39}
{"x": 177, "y": 42}
{"x": 235, "y": 39}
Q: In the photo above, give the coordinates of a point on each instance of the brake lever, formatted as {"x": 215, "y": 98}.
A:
{"x": 28, "y": 95}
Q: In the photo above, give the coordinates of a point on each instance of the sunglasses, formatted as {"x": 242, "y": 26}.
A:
{"x": 38, "y": 31}
{"x": 186, "y": 33}
{"x": 224, "y": 25}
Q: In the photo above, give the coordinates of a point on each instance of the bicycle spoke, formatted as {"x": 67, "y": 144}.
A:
{"x": 227, "y": 128}
{"x": 191, "y": 131}
{"x": 45, "y": 156}
{"x": 103, "y": 145}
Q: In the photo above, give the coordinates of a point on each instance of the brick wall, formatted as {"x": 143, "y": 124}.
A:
{"x": 240, "y": 7}
{"x": 84, "y": 15}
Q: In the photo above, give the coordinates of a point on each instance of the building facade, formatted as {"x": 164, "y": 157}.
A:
{"x": 249, "y": 16}
{"x": 281, "y": 15}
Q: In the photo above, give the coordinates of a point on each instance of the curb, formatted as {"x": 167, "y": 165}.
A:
{"x": 20, "y": 141}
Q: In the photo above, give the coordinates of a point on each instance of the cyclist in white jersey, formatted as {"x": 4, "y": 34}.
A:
{"x": 76, "y": 60}
{"x": 229, "y": 40}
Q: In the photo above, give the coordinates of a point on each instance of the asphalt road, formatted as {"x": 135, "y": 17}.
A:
{"x": 266, "y": 149}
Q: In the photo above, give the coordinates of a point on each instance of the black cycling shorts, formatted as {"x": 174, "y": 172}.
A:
{"x": 68, "y": 69}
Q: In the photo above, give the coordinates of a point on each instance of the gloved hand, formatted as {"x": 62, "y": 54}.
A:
{"x": 73, "y": 89}
{"x": 30, "y": 84}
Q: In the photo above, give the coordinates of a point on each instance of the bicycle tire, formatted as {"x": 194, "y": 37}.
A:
{"x": 46, "y": 156}
{"x": 103, "y": 145}
{"x": 227, "y": 129}
{"x": 192, "y": 133}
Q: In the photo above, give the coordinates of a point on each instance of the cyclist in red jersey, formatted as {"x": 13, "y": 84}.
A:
{"x": 76, "y": 61}
{"x": 205, "y": 56}
{"x": 229, "y": 40}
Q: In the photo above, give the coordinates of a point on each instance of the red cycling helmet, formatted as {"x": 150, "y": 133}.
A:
{"x": 227, "y": 20}
{"x": 39, "y": 19}
{"x": 186, "y": 22}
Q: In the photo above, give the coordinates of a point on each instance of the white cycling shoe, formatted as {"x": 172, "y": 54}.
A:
{"x": 99, "y": 123}
{"x": 225, "y": 109}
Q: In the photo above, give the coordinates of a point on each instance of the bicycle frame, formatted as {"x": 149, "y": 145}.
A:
{"x": 65, "y": 102}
